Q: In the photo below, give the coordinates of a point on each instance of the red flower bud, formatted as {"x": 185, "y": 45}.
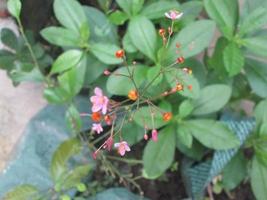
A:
{"x": 120, "y": 53}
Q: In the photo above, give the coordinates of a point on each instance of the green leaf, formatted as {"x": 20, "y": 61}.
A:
{"x": 259, "y": 179}
{"x": 70, "y": 14}
{"x": 158, "y": 156}
{"x": 9, "y": 38}
{"x": 73, "y": 118}
{"x": 67, "y": 60}
{"x": 216, "y": 62}
{"x": 61, "y": 36}
{"x": 6, "y": 60}
{"x": 191, "y": 10}
{"x": 212, "y": 98}
{"x": 116, "y": 194}
{"x": 14, "y": 8}
{"x": 22, "y": 192}
{"x": 143, "y": 116}
{"x": 106, "y": 53}
{"x": 72, "y": 81}
{"x": 63, "y": 153}
{"x": 234, "y": 172}
{"x": 119, "y": 84}
{"x": 185, "y": 108}
{"x": 212, "y": 134}
{"x": 192, "y": 42}
{"x": 157, "y": 9}
{"x": 153, "y": 74}
{"x": 132, "y": 133}
{"x": 73, "y": 177}
{"x": 254, "y": 21}
{"x": 32, "y": 76}
{"x": 260, "y": 112}
{"x": 143, "y": 35}
{"x": 256, "y": 45}
{"x": 56, "y": 95}
{"x": 196, "y": 151}
{"x": 131, "y": 7}
{"x": 101, "y": 29}
{"x": 184, "y": 136}
{"x": 257, "y": 77}
{"x": 128, "y": 44}
{"x": 175, "y": 75}
{"x": 118, "y": 17}
{"x": 94, "y": 69}
{"x": 224, "y": 13}
{"x": 234, "y": 59}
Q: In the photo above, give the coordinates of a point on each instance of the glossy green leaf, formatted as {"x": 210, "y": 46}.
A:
{"x": 22, "y": 192}
{"x": 154, "y": 76}
{"x": 70, "y": 14}
{"x": 212, "y": 134}
{"x": 257, "y": 77}
{"x": 157, "y": 9}
{"x": 234, "y": 172}
{"x": 143, "y": 35}
{"x": 14, "y": 8}
{"x": 131, "y": 7}
{"x": 63, "y": 153}
{"x": 259, "y": 179}
{"x": 101, "y": 29}
{"x": 192, "y": 42}
{"x": 224, "y": 13}
{"x": 184, "y": 136}
{"x": 61, "y": 36}
{"x": 254, "y": 21}
{"x": 94, "y": 69}
{"x": 196, "y": 152}
{"x": 257, "y": 45}
{"x": 132, "y": 133}
{"x": 158, "y": 156}
{"x": 212, "y": 98}
{"x": 260, "y": 112}
{"x": 186, "y": 108}
{"x": 72, "y": 81}
{"x": 66, "y": 61}
{"x": 191, "y": 10}
{"x": 234, "y": 59}
{"x": 119, "y": 84}
{"x": 128, "y": 44}
{"x": 106, "y": 53}
{"x": 118, "y": 17}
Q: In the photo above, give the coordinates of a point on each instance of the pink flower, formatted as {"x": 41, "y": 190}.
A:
{"x": 100, "y": 102}
{"x": 97, "y": 128}
{"x": 109, "y": 143}
{"x": 154, "y": 135}
{"x": 173, "y": 14}
{"x": 122, "y": 147}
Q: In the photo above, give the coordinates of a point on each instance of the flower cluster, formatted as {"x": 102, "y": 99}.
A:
{"x": 109, "y": 113}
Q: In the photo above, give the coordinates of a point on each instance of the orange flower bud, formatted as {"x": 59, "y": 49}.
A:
{"x": 180, "y": 60}
{"x": 179, "y": 87}
{"x": 190, "y": 87}
{"x": 120, "y": 53}
{"x": 96, "y": 117}
{"x": 133, "y": 95}
{"x": 108, "y": 120}
{"x": 162, "y": 32}
{"x": 167, "y": 116}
